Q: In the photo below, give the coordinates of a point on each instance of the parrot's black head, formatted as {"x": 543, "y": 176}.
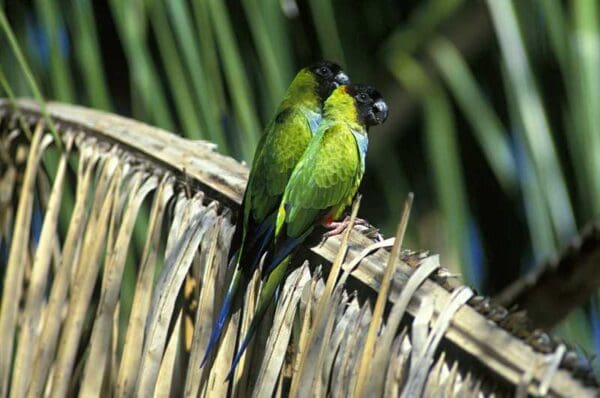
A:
{"x": 370, "y": 106}
{"x": 329, "y": 76}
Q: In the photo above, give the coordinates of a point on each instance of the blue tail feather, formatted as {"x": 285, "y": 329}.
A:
{"x": 270, "y": 286}
{"x": 257, "y": 232}
{"x": 238, "y": 356}
{"x": 233, "y": 259}
{"x": 257, "y": 252}
{"x": 268, "y": 223}
{"x": 256, "y": 244}
{"x": 223, "y": 315}
{"x": 252, "y": 246}
{"x": 283, "y": 250}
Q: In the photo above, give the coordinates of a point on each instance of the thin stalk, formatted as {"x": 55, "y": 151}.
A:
{"x": 177, "y": 78}
{"x": 272, "y": 70}
{"x": 237, "y": 80}
{"x": 89, "y": 56}
{"x": 192, "y": 56}
{"x": 60, "y": 74}
{"x": 327, "y": 31}
{"x": 29, "y": 77}
{"x": 147, "y": 93}
{"x": 535, "y": 122}
{"x": 487, "y": 127}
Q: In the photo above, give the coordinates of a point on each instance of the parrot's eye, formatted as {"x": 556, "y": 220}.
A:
{"x": 362, "y": 97}
{"x": 323, "y": 71}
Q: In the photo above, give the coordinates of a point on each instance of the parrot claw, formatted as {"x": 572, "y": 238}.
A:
{"x": 337, "y": 227}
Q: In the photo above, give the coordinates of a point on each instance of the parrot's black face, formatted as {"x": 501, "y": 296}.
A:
{"x": 329, "y": 76}
{"x": 371, "y": 108}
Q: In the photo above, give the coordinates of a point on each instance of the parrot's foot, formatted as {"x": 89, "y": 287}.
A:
{"x": 337, "y": 227}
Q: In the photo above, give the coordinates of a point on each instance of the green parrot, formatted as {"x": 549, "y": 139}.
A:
{"x": 282, "y": 144}
{"x": 321, "y": 186}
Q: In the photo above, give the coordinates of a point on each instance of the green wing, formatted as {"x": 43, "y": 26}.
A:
{"x": 286, "y": 139}
{"x": 326, "y": 178}
{"x": 324, "y": 182}
{"x": 281, "y": 147}
{"x": 278, "y": 152}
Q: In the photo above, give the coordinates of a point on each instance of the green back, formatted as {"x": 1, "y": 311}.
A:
{"x": 281, "y": 146}
{"x": 329, "y": 173}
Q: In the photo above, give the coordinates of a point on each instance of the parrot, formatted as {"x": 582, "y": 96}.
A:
{"x": 282, "y": 144}
{"x": 322, "y": 185}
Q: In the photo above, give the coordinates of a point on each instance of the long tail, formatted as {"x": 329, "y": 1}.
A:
{"x": 284, "y": 247}
{"x": 253, "y": 244}
{"x": 266, "y": 294}
{"x": 246, "y": 257}
{"x": 223, "y": 314}
{"x": 255, "y": 252}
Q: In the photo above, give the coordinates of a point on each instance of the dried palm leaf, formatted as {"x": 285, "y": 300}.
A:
{"x": 550, "y": 291}
{"x": 71, "y": 331}
{"x": 13, "y": 282}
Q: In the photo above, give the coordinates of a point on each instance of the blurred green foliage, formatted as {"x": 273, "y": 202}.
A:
{"x": 495, "y": 106}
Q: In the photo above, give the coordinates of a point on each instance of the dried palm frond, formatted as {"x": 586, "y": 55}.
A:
{"x": 63, "y": 306}
{"x": 552, "y": 290}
